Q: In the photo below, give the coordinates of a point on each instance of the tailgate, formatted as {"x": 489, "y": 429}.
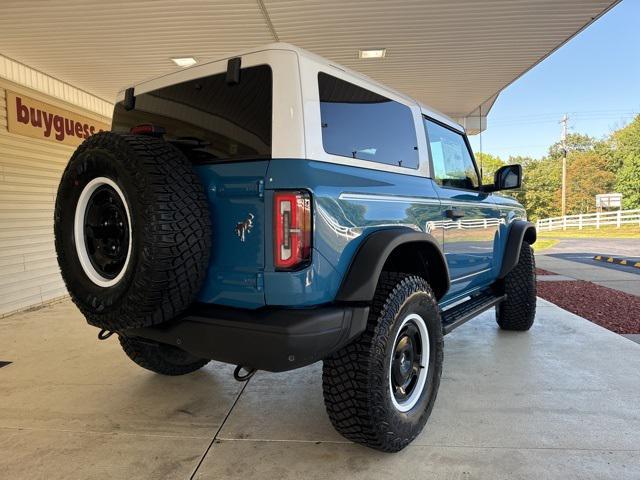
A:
{"x": 235, "y": 191}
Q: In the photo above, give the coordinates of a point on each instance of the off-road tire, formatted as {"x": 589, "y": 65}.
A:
{"x": 355, "y": 379}
{"x": 169, "y": 224}
{"x": 160, "y": 358}
{"x": 518, "y": 311}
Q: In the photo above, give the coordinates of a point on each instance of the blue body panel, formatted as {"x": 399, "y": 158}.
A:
{"x": 236, "y": 269}
{"x": 348, "y": 204}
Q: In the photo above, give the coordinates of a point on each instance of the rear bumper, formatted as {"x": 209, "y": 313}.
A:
{"x": 266, "y": 339}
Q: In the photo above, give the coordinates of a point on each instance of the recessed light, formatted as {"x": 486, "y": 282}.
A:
{"x": 372, "y": 53}
{"x": 184, "y": 61}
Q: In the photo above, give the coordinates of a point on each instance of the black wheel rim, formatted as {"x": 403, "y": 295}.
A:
{"x": 406, "y": 362}
{"x": 106, "y": 231}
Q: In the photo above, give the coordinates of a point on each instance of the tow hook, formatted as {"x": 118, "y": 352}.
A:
{"x": 243, "y": 378}
{"x": 104, "y": 334}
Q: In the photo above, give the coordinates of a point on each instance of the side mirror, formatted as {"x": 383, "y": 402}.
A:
{"x": 508, "y": 177}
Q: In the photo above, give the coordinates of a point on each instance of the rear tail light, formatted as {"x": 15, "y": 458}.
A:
{"x": 292, "y": 229}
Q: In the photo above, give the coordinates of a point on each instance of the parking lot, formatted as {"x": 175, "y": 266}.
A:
{"x": 558, "y": 402}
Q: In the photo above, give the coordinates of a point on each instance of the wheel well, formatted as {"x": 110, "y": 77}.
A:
{"x": 419, "y": 259}
{"x": 530, "y": 235}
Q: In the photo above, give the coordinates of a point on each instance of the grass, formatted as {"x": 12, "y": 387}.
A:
{"x": 625, "y": 231}
{"x": 544, "y": 243}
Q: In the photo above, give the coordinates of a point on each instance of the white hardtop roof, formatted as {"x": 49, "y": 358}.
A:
{"x": 301, "y": 52}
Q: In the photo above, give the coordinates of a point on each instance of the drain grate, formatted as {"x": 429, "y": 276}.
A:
{"x": 4, "y": 364}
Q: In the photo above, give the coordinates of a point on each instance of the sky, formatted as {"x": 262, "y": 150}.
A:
{"x": 594, "y": 78}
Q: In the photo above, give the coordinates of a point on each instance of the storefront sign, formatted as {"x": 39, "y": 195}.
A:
{"x": 36, "y": 119}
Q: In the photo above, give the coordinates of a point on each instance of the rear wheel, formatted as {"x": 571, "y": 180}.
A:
{"x": 518, "y": 311}
{"x": 380, "y": 389}
{"x": 160, "y": 358}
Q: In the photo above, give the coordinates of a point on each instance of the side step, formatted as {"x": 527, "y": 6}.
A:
{"x": 462, "y": 313}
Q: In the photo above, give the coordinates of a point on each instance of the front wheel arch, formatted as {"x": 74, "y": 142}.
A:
{"x": 519, "y": 231}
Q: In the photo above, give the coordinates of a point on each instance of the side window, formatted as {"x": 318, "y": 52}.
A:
{"x": 452, "y": 162}
{"x": 358, "y": 123}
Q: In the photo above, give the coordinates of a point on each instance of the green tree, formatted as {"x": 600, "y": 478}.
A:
{"x": 587, "y": 176}
{"x": 488, "y": 165}
{"x": 593, "y": 166}
{"x": 625, "y": 145}
{"x": 576, "y": 142}
{"x": 541, "y": 187}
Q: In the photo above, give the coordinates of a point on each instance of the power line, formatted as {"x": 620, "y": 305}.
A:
{"x": 538, "y": 121}
{"x": 572, "y": 113}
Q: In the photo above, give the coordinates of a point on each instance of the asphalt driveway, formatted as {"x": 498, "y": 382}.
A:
{"x": 619, "y": 247}
{"x": 574, "y": 258}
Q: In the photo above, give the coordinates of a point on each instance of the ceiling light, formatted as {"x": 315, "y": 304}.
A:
{"x": 373, "y": 53}
{"x": 184, "y": 61}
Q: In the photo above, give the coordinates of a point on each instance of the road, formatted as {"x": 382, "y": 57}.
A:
{"x": 574, "y": 258}
{"x": 582, "y": 250}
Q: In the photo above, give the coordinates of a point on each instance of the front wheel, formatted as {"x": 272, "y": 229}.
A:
{"x": 518, "y": 311}
{"x": 380, "y": 389}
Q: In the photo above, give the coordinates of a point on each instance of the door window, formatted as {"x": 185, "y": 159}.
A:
{"x": 453, "y": 164}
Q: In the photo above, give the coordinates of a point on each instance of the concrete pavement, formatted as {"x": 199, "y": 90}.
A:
{"x": 560, "y": 401}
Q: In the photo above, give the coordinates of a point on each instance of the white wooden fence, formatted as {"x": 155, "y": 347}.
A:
{"x": 616, "y": 218}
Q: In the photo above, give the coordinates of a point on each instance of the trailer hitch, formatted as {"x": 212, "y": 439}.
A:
{"x": 243, "y": 378}
{"x": 104, "y": 334}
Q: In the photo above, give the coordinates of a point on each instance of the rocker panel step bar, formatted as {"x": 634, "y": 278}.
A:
{"x": 462, "y": 313}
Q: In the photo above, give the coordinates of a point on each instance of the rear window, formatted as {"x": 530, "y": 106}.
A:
{"x": 207, "y": 117}
{"x": 358, "y": 123}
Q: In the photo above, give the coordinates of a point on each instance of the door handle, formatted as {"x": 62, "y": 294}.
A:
{"x": 454, "y": 213}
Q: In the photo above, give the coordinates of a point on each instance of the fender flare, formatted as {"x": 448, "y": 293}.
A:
{"x": 519, "y": 231}
{"x": 360, "y": 282}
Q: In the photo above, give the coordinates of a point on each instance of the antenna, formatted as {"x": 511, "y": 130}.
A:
{"x": 481, "y": 159}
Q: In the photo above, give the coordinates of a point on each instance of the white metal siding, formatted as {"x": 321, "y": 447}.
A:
{"x": 28, "y": 77}
{"x": 30, "y": 170}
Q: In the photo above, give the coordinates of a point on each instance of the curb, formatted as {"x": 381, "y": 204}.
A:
{"x": 617, "y": 261}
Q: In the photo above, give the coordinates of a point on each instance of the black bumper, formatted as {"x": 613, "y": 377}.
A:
{"x": 266, "y": 339}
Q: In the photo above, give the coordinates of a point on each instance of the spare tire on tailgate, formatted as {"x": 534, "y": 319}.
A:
{"x": 132, "y": 231}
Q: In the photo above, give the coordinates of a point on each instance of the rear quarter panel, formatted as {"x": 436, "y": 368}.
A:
{"x": 348, "y": 204}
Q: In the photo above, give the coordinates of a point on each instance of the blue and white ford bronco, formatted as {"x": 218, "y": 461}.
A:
{"x": 271, "y": 210}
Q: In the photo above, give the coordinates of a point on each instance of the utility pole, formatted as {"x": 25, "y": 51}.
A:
{"x": 564, "y": 121}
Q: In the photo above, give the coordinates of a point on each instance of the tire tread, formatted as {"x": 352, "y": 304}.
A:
{"x": 353, "y": 376}
{"x": 518, "y": 311}
{"x": 176, "y": 231}
{"x": 150, "y": 357}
